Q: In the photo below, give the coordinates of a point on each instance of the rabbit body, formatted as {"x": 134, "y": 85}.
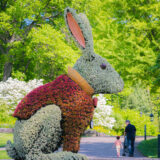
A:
{"x": 58, "y": 112}
{"x": 75, "y": 108}
{"x": 39, "y": 136}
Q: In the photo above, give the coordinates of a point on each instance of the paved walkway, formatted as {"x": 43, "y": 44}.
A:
{"x": 2, "y": 148}
{"x": 100, "y": 148}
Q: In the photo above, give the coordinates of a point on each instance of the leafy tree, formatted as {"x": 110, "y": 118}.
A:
{"x": 19, "y": 18}
{"x": 127, "y": 35}
{"x": 156, "y": 73}
{"x": 139, "y": 99}
{"x": 125, "y": 32}
{"x": 156, "y": 110}
{"x": 34, "y": 42}
{"x": 49, "y": 53}
{"x": 138, "y": 120}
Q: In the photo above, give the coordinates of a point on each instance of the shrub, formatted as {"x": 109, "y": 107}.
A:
{"x": 5, "y": 118}
{"x": 106, "y": 131}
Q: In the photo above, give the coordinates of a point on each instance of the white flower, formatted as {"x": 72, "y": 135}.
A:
{"x": 103, "y": 112}
{"x": 13, "y": 90}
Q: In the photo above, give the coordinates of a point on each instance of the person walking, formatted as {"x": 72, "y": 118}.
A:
{"x": 130, "y": 132}
{"x": 118, "y": 145}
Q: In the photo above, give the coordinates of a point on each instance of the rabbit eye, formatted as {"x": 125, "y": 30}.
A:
{"x": 103, "y": 66}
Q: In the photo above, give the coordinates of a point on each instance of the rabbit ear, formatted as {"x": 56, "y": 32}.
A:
{"x": 75, "y": 29}
{"x": 80, "y": 29}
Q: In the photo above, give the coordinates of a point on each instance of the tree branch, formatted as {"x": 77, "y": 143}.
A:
{"x": 47, "y": 3}
{"x": 3, "y": 4}
{"x": 2, "y": 49}
{"x": 52, "y": 16}
{"x": 2, "y": 37}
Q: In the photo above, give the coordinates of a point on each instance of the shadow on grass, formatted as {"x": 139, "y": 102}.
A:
{"x": 149, "y": 148}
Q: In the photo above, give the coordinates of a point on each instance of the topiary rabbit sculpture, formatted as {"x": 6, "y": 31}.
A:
{"x": 59, "y": 112}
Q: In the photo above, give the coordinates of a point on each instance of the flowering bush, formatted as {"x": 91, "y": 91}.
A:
{"x": 13, "y": 90}
{"x": 102, "y": 116}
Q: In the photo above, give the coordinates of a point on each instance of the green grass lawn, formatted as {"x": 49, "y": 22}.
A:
{"x": 3, "y": 155}
{"x": 5, "y": 125}
{"x": 4, "y": 137}
{"x": 149, "y": 148}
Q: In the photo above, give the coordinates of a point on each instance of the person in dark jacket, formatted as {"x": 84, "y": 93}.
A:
{"x": 130, "y": 132}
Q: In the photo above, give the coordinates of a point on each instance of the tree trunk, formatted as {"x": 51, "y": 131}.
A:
{"x": 158, "y": 121}
{"x": 7, "y": 71}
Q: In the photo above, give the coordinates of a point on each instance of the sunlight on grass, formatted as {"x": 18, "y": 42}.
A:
{"x": 4, "y": 137}
{"x": 3, "y": 155}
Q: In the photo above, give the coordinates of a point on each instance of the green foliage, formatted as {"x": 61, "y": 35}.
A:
{"x": 44, "y": 19}
{"x": 48, "y": 50}
{"x": 124, "y": 32}
{"x": 6, "y": 120}
{"x": 4, "y": 137}
{"x": 105, "y": 130}
{"x": 149, "y": 148}
{"x": 119, "y": 124}
{"x": 156, "y": 73}
{"x": 19, "y": 75}
{"x": 125, "y": 37}
{"x": 139, "y": 99}
{"x": 33, "y": 38}
{"x": 136, "y": 119}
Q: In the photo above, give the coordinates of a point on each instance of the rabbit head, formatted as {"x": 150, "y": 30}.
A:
{"x": 92, "y": 67}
